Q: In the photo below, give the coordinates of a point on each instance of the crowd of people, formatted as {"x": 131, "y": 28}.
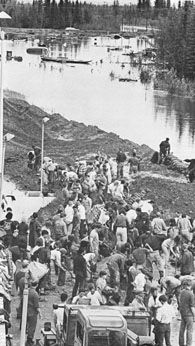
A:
{"x": 116, "y": 246}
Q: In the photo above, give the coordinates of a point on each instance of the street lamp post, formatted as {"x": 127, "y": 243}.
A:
{"x": 3, "y": 15}
{"x": 44, "y": 120}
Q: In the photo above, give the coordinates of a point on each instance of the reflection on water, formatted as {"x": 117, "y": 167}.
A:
{"x": 93, "y": 94}
{"x": 181, "y": 113}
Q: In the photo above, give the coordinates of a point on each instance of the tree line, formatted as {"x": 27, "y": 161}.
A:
{"x": 176, "y": 41}
{"x": 64, "y": 13}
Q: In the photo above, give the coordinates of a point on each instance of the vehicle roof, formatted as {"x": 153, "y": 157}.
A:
{"x": 103, "y": 318}
{"x": 100, "y": 312}
{"x": 124, "y": 310}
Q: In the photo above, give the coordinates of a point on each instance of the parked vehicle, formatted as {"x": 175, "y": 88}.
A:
{"x": 136, "y": 322}
{"x": 100, "y": 327}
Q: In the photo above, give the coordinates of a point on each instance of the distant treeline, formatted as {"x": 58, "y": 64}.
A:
{"x": 176, "y": 41}
{"x": 60, "y": 14}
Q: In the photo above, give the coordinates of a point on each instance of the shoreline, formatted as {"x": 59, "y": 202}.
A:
{"x": 169, "y": 189}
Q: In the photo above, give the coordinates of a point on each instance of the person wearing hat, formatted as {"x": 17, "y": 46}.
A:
{"x": 138, "y": 301}
{"x": 164, "y": 317}
{"x": 187, "y": 311}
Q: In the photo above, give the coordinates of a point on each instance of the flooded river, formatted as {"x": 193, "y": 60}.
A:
{"x": 93, "y": 94}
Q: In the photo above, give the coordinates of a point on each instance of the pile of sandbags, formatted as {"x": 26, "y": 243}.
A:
{"x": 176, "y": 164}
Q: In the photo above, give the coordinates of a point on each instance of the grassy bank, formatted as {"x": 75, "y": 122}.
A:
{"x": 168, "y": 81}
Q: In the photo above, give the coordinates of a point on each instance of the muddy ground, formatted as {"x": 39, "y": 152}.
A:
{"x": 65, "y": 140}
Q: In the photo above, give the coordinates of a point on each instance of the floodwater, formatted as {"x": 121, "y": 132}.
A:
{"x": 92, "y": 93}
{"x": 23, "y": 204}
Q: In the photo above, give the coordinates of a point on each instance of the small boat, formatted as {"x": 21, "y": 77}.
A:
{"x": 51, "y": 59}
{"x": 127, "y": 80}
{"x": 85, "y": 62}
{"x": 64, "y": 60}
{"x": 37, "y": 50}
{"x": 117, "y": 36}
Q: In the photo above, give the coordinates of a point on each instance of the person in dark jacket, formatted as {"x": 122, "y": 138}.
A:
{"x": 80, "y": 271}
{"x": 187, "y": 261}
{"x": 120, "y": 159}
{"x": 164, "y": 149}
{"x": 187, "y": 311}
{"x": 37, "y": 152}
{"x": 35, "y": 230}
{"x": 32, "y": 312}
{"x": 23, "y": 229}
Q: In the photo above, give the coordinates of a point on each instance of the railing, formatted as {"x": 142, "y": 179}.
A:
{"x": 2, "y": 326}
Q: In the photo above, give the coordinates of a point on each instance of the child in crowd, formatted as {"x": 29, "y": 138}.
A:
{"x": 81, "y": 298}
{"x": 94, "y": 295}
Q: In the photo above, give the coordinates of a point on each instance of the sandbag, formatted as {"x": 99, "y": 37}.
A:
{"x": 154, "y": 158}
{"x": 37, "y": 270}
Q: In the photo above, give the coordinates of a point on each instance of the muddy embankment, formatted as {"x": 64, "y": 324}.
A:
{"x": 65, "y": 140}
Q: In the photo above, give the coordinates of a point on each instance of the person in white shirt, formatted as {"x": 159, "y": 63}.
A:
{"x": 81, "y": 209}
{"x": 138, "y": 301}
{"x": 94, "y": 295}
{"x": 59, "y": 315}
{"x": 137, "y": 204}
{"x": 164, "y": 318}
{"x": 131, "y": 215}
{"x": 147, "y": 206}
{"x": 94, "y": 240}
{"x": 69, "y": 213}
{"x": 71, "y": 175}
{"x": 140, "y": 280}
{"x": 116, "y": 189}
{"x": 90, "y": 259}
{"x": 82, "y": 214}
